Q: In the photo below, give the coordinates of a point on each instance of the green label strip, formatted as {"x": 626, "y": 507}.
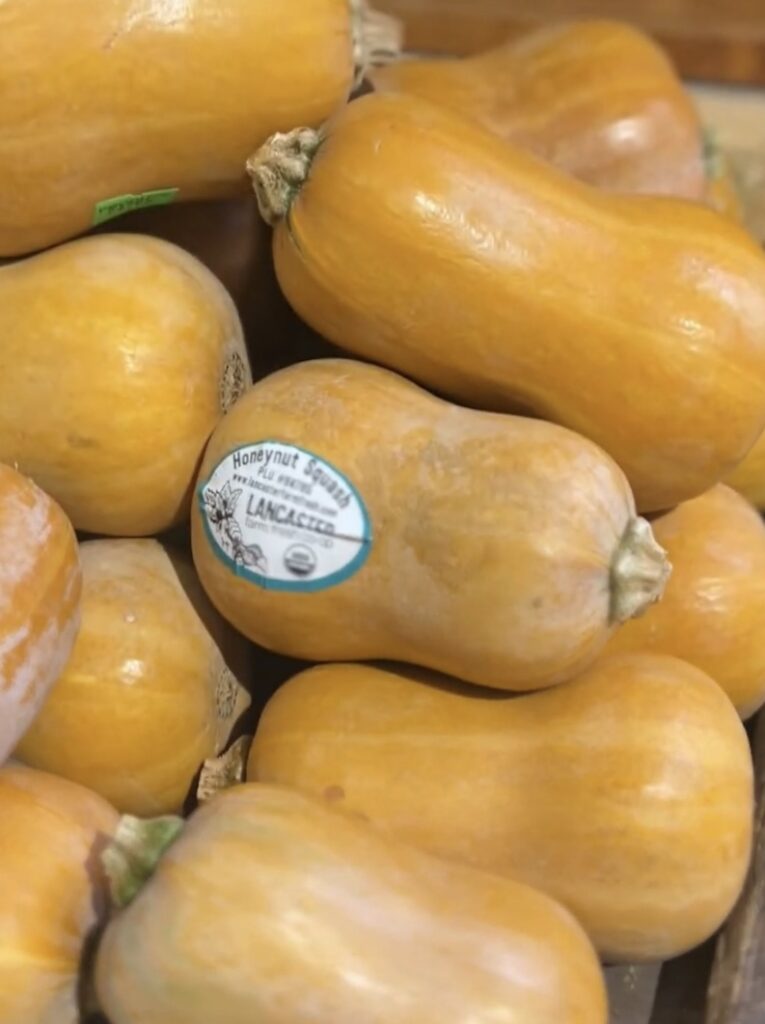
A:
{"x": 108, "y": 209}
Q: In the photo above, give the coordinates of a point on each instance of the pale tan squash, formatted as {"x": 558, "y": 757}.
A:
{"x": 270, "y": 908}
{"x": 625, "y": 794}
{"x": 39, "y": 601}
{"x": 343, "y": 513}
{"x": 54, "y": 892}
{"x": 600, "y": 99}
{"x": 119, "y": 355}
{"x": 147, "y": 694}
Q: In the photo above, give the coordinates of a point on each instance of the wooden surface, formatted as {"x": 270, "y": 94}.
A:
{"x": 737, "y": 117}
{"x": 737, "y": 984}
{"x": 711, "y": 40}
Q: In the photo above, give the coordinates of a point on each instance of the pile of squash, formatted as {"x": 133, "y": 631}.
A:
{"x": 477, "y": 557}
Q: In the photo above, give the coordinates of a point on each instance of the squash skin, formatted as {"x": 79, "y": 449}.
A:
{"x": 120, "y": 354}
{"x": 748, "y": 478}
{"x": 713, "y": 610}
{"x": 167, "y": 96}
{"x": 626, "y": 794}
{"x": 40, "y": 584}
{"x": 434, "y": 942}
{"x": 54, "y": 892}
{"x": 422, "y": 242}
{"x": 231, "y": 239}
{"x": 452, "y": 495}
{"x": 226, "y": 235}
{"x": 147, "y": 694}
{"x": 544, "y": 91}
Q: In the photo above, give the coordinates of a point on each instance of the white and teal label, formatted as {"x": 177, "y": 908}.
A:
{"x": 284, "y": 518}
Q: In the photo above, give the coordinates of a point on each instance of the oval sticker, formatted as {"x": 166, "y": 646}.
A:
{"x": 284, "y": 518}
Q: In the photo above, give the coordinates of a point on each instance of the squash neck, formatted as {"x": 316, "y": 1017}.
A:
{"x": 639, "y": 572}
{"x": 279, "y": 170}
{"x": 131, "y": 858}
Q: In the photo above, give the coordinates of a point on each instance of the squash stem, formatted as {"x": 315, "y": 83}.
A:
{"x": 639, "y": 572}
{"x": 132, "y": 856}
{"x": 377, "y": 38}
{"x": 225, "y": 771}
{"x": 279, "y": 170}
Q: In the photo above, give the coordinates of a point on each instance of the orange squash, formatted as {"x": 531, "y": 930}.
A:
{"x": 231, "y": 239}
{"x": 227, "y": 236}
{"x": 748, "y": 478}
{"x": 343, "y": 513}
{"x": 120, "y": 354}
{"x": 599, "y": 99}
{"x": 270, "y": 908}
{"x": 122, "y": 104}
{"x": 414, "y": 238}
{"x": 713, "y": 611}
{"x": 147, "y": 695}
{"x": 39, "y": 601}
{"x": 626, "y": 794}
{"x": 54, "y": 892}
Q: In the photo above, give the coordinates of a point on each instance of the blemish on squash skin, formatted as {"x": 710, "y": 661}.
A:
{"x": 333, "y": 794}
{"x": 78, "y": 441}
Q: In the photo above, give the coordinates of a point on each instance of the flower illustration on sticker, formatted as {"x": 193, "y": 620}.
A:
{"x": 220, "y": 507}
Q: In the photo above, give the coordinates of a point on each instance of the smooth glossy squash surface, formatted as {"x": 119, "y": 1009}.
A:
{"x": 270, "y": 908}
{"x": 124, "y": 97}
{"x": 52, "y": 892}
{"x": 748, "y": 478}
{"x": 626, "y": 794}
{"x": 39, "y": 601}
{"x": 147, "y": 694}
{"x": 713, "y": 610}
{"x": 344, "y": 513}
{"x": 421, "y": 241}
{"x": 599, "y": 99}
{"x": 119, "y": 355}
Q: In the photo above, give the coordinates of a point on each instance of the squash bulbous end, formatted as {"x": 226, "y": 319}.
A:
{"x": 132, "y": 856}
{"x": 279, "y": 170}
{"x": 639, "y": 572}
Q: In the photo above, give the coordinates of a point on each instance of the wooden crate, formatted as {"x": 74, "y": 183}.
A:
{"x": 737, "y": 118}
{"x": 722, "y": 982}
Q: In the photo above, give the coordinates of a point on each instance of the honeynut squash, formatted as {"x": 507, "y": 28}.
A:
{"x": 597, "y": 98}
{"x": 412, "y": 237}
{"x": 626, "y": 794}
{"x": 53, "y": 892}
{"x": 120, "y": 353}
{"x": 344, "y": 513}
{"x": 268, "y": 907}
{"x": 40, "y": 584}
{"x": 169, "y": 99}
{"x": 150, "y": 689}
